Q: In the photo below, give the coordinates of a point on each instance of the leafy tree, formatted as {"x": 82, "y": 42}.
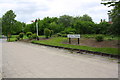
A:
{"x": 83, "y": 27}
{"x": 104, "y": 28}
{"x": 30, "y": 28}
{"x": 114, "y": 15}
{"x": 66, "y": 20}
{"x": 85, "y": 17}
{"x": 56, "y": 27}
{"x": 69, "y": 29}
{"x": 17, "y": 27}
{"x": 8, "y": 20}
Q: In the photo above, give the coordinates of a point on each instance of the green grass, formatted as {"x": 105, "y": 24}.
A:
{"x": 58, "y": 42}
{"x": 106, "y": 37}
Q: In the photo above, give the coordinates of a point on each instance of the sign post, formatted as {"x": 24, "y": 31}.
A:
{"x": 69, "y": 40}
{"x": 73, "y": 36}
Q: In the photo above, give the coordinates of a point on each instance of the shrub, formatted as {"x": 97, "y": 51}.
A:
{"x": 46, "y": 32}
{"x": 51, "y": 32}
{"x": 64, "y": 35}
{"x": 59, "y": 34}
{"x": 34, "y": 36}
{"x": 17, "y": 38}
{"x": 21, "y": 35}
{"x": 62, "y": 32}
{"x": 28, "y": 33}
{"x": 71, "y": 33}
{"x": 69, "y": 29}
{"x": 99, "y": 38}
{"x": 30, "y": 37}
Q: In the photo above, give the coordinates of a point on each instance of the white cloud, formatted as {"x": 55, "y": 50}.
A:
{"x": 27, "y": 10}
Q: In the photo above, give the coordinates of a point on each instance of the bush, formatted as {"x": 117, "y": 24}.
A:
{"x": 64, "y": 35}
{"x": 21, "y": 35}
{"x": 17, "y": 38}
{"x": 99, "y": 38}
{"x": 28, "y": 34}
{"x": 34, "y": 36}
{"x": 30, "y": 37}
{"x": 71, "y": 33}
{"x": 51, "y": 32}
{"x": 46, "y": 32}
{"x": 59, "y": 34}
{"x": 62, "y": 32}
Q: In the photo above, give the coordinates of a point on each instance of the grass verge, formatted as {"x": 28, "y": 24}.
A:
{"x": 58, "y": 42}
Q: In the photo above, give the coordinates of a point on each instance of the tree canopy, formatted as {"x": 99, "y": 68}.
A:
{"x": 64, "y": 24}
{"x": 114, "y": 15}
{"x": 8, "y": 20}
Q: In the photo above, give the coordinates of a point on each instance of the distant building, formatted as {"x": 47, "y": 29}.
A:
{"x": 109, "y": 18}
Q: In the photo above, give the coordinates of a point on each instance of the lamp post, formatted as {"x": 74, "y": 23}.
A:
{"x": 36, "y": 23}
{"x": 36, "y": 26}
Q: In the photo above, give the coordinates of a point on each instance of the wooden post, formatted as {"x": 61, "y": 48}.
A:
{"x": 69, "y": 40}
{"x": 78, "y": 41}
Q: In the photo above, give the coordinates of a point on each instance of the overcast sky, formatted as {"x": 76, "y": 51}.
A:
{"x": 28, "y": 10}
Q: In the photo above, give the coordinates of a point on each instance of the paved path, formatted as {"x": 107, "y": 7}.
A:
{"x": 0, "y": 58}
{"x": 25, "y": 60}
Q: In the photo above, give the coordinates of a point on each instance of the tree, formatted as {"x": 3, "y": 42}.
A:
{"x": 85, "y": 17}
{"x": 103, "y": 28}
{"x": 17, "y": 27}
{"x": 8, "y": 20}
{"x": 66, "y": 20}
{"x": 55, "y": 27}
{"x": 30, "y": 28}
{"x": 83, "y": 27}
{"x": 115, "y": 15}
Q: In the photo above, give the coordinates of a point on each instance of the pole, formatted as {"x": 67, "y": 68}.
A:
{"x": 69, "y": 40}
{"x": 37, "y": 28}
{"x": 78, "y": 41}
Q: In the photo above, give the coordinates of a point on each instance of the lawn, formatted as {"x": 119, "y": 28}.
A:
{"x": 57, "y": 41}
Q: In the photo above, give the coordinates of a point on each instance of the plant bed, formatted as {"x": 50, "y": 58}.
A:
{"x": 93, "y": 43}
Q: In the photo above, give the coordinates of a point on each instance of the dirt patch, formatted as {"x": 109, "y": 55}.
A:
{"x": 93, "y": 43}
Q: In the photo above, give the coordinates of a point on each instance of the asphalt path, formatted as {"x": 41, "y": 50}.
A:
{"x": 26, "y": 60}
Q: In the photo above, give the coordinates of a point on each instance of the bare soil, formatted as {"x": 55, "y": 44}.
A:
{"x": 93, "y": 43}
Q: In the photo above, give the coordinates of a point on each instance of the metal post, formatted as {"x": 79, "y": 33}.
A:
{"x": 37, "y": 28}
{"x": 78, "y": 41}
{"x": 69, "y": 40}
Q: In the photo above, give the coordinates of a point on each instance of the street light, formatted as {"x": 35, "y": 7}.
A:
{"x": 36, "y": 21}
{"x": 36, "y": 26}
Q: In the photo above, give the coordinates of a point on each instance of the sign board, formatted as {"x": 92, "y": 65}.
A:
{"x": 73, "y": 35}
